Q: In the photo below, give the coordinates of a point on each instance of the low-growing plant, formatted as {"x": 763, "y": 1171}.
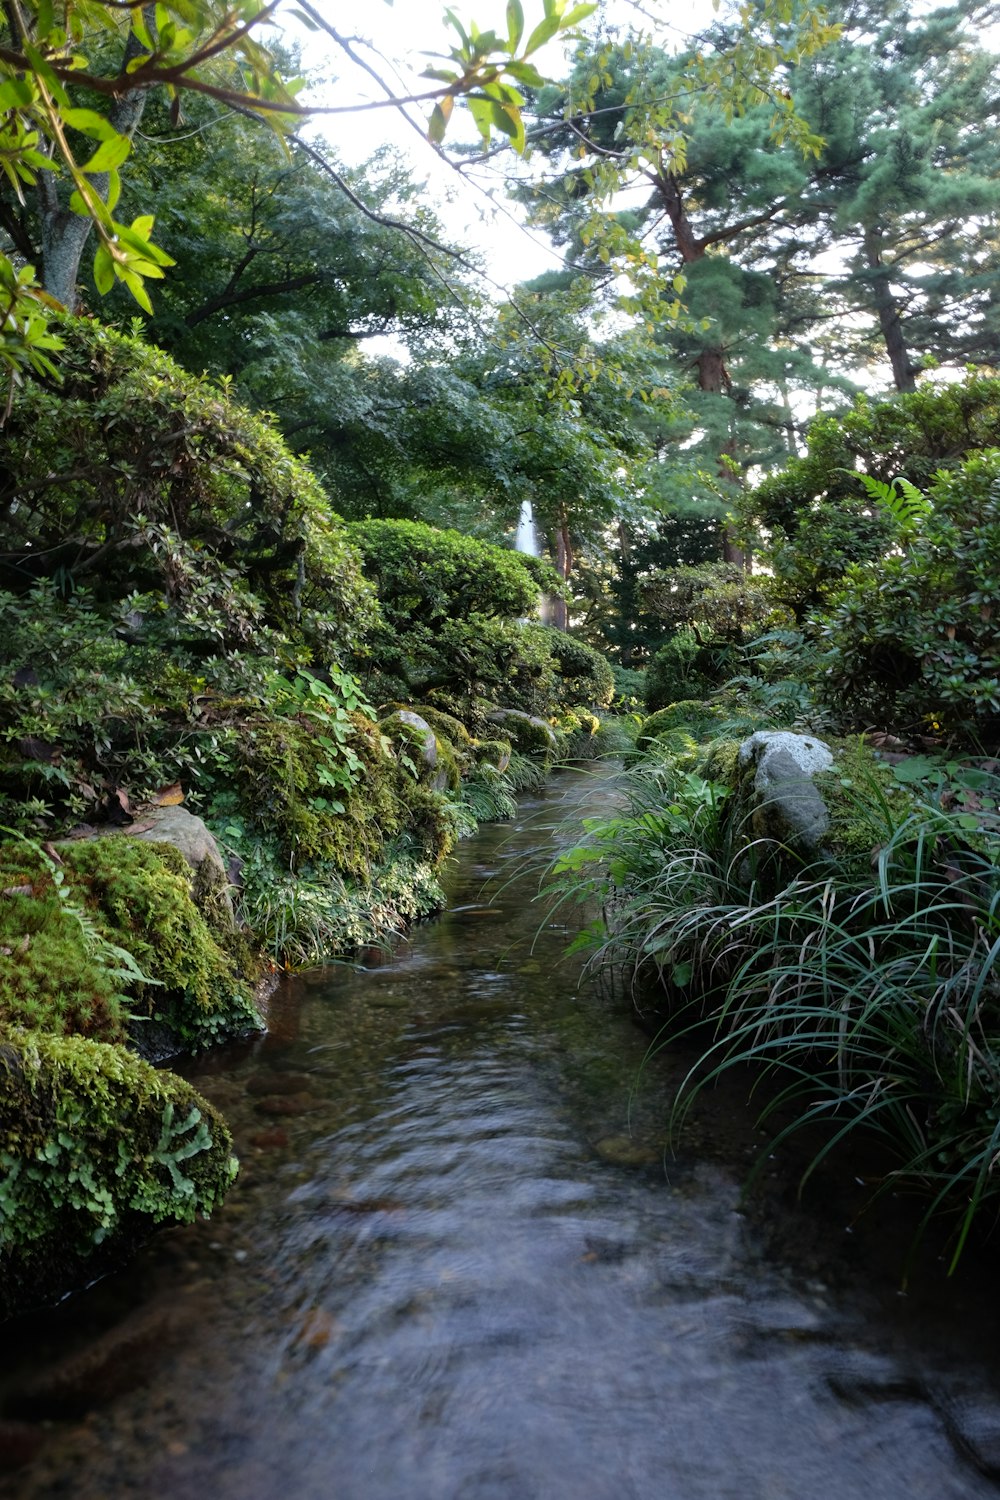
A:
{"x": 869, "y": 993}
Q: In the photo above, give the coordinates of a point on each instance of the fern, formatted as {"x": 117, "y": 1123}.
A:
{"x": 907, "y": 505}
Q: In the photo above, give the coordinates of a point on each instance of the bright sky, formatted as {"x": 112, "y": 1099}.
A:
{"x": 470, "y": 204}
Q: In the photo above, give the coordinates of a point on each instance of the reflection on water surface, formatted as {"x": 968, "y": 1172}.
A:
{"x": 458, "y": 1267}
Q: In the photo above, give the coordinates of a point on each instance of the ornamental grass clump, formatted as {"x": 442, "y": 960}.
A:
{"x": 868, "y": 992}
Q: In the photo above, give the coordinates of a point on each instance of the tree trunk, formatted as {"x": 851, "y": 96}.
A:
{"x": 713, "y": 377}
{"x": 889, "y": 320}
{"x": 564, "y": 566}
{"x": 64, "y": 233}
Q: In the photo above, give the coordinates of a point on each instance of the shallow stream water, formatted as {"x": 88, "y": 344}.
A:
{"x": 461, "y": 1265}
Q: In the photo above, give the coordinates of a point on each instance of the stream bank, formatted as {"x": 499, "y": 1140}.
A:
{"x": 457, "y": 1263}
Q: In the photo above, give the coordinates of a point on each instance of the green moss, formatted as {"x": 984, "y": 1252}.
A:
{"x": 529, "y": 735}
{"x": 495, "y": 753}
{"x": 695, "y": 718}
{"x": 285, "y": 789}
{"x": 720, "y": 762}
{"x": 94, "y": 1144}
{"x": 427, "y": 753}
{"x": 449, "y": 772}
{"x": 431, "y": 823}
{"x": 83, "y": 938}
{"x": 864, "y": 801}
{"x": 443, "y": 724}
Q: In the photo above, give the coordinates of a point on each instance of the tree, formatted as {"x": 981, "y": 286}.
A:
{"x": 818, "y": 512}
{"x": 906, "y": 188}
{"x": 58, "y": 102}
{"x": 719, "y": 192}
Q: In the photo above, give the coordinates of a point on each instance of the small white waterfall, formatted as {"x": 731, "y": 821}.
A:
{"x": 526, "y": 538}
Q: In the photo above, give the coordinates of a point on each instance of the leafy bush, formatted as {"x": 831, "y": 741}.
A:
{"x": 717, "y": 602}
{"x": 630, "y": 688}
{"x": 145, "y": 483}
{"x": 454, "y": 626}
{"x": 697, "y": 719}
{"x": 913, "y": 639}
{"x": 683, "y": 669}
{"x": 817, "y": 510}
{"x": 109, "y": 934}
{"x": 94, "y": 1144}
{"x": 425, "y": 576}
{"x": 586, "y": 676}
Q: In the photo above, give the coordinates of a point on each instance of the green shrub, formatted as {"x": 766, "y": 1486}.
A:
{"x": 913, "y": 638}
{"x": 454, "y": 630}
{"x": 425, "y": 576}
{"x": 630, "y": 688}
{"x": 147, "y": 484}
{"x": 718, "y": 602}
{"x": 111, "y": 934}
{"x": 585, "y": 675}
{"x": 684, "y": 669}
{"x": 697, "y": 719}
{"x": 817, "y": 512}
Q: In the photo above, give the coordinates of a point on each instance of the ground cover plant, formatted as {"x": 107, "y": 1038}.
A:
{"x": 865, "y": 987}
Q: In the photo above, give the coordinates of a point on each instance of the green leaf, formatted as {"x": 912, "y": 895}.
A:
{"x": 110, "y": 153}
{"x": 543, "y": 32}
{"x": 438, "y": 122}
{"x": 136, "y": 287}
{"x": 16, "y": 93}
{"x": 577, "y": 14}
{"x": 89, "y": 122}
{"x": 515, "y": 24}
{"x": 104, "y": 270}
{"x": 507, "y": 117}
{"x": 526, "y": 73}
{"x": 481, "y": 112}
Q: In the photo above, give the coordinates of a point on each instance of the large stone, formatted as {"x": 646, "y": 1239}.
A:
{"x": 187, "y": 832}
{"x": 526, "y": 731}
{"x": 420, "y": 740}
{"x": 423, "y": 737}
{"x": 786, "y": 805}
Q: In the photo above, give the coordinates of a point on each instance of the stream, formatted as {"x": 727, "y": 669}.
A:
{"x": 461, "y": 1264}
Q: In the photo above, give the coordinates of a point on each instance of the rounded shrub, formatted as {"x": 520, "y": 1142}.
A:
{"x": 691, "y": 716}
{"x": 684, "y": 669}
{"x": 152, "y": 485}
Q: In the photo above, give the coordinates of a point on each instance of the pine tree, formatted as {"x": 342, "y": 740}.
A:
{"x": 906, "y": 193}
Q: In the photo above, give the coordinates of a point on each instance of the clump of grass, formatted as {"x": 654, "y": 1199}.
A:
{"x": 869, "y": 995}
{"x": 488, "y": 796}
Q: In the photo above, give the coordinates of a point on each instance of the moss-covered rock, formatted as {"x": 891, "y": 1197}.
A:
{"x": 694, "y": 718}
{"x": 96, "y": 1148}
{"x": 528, "y": 733}
{"x": 425, "y": 753}
{"x": 495, "y": 753}
{"x": 108, "y": 933}
{"x": 837, "y": 802}
{"x": 445, "y": 726}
